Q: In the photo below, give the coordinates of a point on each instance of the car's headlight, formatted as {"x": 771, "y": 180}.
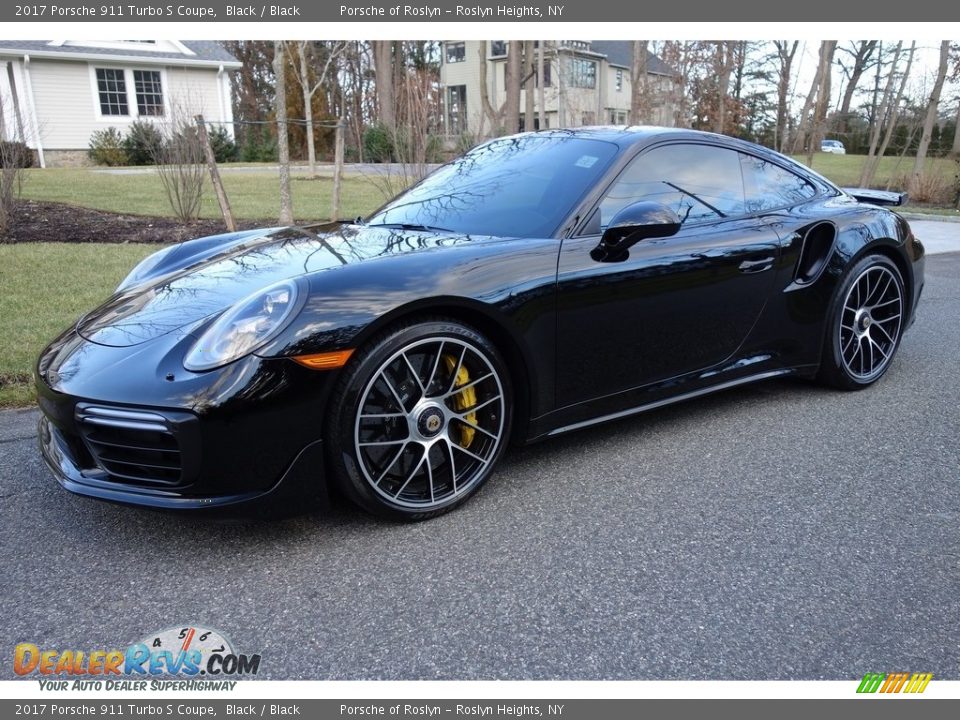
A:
{"x": 243, "y": 328}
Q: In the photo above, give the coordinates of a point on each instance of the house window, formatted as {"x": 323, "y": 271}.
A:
{"x": 618, "y": 82}
{"x": 146, "y": 83}
{"x": 618, "y": 117}
{"x": 113, "y": 92}
{"x": 498, "y": 48}
{"x": 583, "y": 73}
{"x": 114, "y": 96}
{"x": 457, "y": 108}
{"x": 456, "y": 52}
{"x": 589, "y": 118}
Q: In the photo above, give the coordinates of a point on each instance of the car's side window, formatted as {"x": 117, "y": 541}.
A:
{"x": 698, "y": 182}
{"x": 769, "y": 186}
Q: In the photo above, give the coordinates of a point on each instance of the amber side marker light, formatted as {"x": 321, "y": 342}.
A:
{"x": 324, "y": 361}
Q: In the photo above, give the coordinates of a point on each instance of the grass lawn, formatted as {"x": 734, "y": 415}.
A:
{"x": 43, "y": 289}
{"x": 254, "y": 194}
{"x": 844, "y": 170}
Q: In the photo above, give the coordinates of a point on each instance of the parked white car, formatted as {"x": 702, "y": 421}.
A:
{"x": 833, "y": 146}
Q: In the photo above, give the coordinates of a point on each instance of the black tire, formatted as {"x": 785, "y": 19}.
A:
{"x": 865, "y": 324}
{"x": 434, "y": 392}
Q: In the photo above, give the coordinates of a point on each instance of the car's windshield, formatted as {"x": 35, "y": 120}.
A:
{"x": 518, "y": 187}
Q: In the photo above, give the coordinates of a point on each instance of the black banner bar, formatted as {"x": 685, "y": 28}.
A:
{"x": 421, "y": 11}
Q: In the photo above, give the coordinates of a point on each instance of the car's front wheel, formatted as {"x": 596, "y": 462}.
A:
{"x": 419, "y": 419}
{"x": 865, "y": 324}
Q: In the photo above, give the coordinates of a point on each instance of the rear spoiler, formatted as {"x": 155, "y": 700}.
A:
{"x": 877, "y": 197}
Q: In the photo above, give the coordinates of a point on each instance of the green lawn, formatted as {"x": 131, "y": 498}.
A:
{"x": 253, "y": 193}
{"x": 844, "y": 170}
{"x": 43, "y": 289}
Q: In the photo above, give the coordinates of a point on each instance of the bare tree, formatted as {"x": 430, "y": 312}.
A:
{"x": 312, "y": 73}
{"x": 283, "y": 137}
{"x": 888, "y": 113}
{"x": 861, "y": 55}
{"x": 179, "y": 158}
{"x": 955, "y": 150}
{"x": 723, "y": 67}
{"x": 639, "y": 104}
{"x": 383, "y": 64}
{"x": 819, "y": 124}
{"x": 511, "y": 117}
{"x": 815, "y": 99}
{"x": 933, "y": 105}
{"x": 529, "y": 85}
{"x": 541, "y": 83}
{"x": 494, "y": 115}
{"x": 786, "y": 52}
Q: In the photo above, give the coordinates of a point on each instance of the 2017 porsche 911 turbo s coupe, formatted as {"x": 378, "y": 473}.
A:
{"x": 538, "y": 284}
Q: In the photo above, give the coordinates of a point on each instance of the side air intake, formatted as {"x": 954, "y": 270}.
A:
{"x": 818, "y": 243}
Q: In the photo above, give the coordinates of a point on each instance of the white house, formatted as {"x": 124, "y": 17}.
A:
{"x": 585, "y": 83}
{"x": 54, "y": 94}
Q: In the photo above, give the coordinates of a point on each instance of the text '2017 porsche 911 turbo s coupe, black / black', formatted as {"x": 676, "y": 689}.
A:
{"x": 538, "y": 284}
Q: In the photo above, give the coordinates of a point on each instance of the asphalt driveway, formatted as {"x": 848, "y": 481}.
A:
{"x": 780, "y": 531}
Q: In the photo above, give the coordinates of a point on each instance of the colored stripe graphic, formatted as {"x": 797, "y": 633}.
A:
{"x": 894, "y": 683}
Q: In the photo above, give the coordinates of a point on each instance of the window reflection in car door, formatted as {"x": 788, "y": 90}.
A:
{"x": 675, "y": 305}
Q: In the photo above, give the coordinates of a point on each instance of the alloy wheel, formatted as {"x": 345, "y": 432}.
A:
{"x": 870, "y": 322}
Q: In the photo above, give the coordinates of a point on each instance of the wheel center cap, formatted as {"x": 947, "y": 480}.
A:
{"x": 866, "y": 321}
{"x": 430, "y": 422}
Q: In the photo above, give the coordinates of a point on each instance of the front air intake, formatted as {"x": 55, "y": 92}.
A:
{"x": 818, "y": 242}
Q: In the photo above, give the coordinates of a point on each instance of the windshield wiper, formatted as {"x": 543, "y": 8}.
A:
{"x": 412, "y": 226}
{"x": 695, "y": 197}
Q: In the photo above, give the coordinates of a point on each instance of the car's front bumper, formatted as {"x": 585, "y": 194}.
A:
{"x": 117, "y": 426}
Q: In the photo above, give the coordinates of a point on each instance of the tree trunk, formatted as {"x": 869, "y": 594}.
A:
{"x": 307, "y": 106}
{"x": 889, "y": 113}
{"x": 383, "y": 68}
{"x": 337, "y": 169}
{"x": 542, "y": 82}
{"x": 529, "y": 86}
{"x": 638, "y": 83}
{"x": 511, "y": 118}
{"x": 283, "y": 139}
{"x": 931, "y": 117}
{"x": 823, "y": 99}
{"x": 783, "y": 89}
{"x": 724, "y": 67}
{"x": 492, "y": 114}
{"x": 955, "y": 150}
{"x": 860, "y": 62}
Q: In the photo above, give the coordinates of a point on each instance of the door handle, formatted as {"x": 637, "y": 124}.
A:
{"x": 756, "y": 266}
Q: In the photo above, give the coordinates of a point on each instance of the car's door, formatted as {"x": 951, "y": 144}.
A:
{"x": 676, "y": 304}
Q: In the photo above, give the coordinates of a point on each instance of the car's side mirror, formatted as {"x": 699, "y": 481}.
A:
{"x": 637, "y": 221}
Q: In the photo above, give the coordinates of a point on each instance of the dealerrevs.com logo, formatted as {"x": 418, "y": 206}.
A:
{"x": 185, "y": 651}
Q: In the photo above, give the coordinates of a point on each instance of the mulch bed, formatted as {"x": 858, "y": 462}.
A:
{"x": 35, "y": 221}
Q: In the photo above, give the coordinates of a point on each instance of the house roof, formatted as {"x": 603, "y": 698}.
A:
{"x": 204, "y": 52}
{"x": 620, "y": 52}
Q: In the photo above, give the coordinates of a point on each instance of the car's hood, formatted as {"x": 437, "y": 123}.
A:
{"x": 208, "y": 287}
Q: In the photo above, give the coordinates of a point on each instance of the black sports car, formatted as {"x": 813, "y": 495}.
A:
{"x": 538, "y": 284}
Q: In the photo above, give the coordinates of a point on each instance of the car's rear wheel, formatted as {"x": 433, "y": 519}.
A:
{"x": 866, "y": 324}
{"x": 419, "y": 419}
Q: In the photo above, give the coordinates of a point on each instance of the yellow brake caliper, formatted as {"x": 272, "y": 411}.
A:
{"x": 463, "y": 400}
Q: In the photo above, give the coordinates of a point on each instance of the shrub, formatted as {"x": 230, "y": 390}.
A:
{"x": 106, "y": 148}
{"x": 259, "y": 145}
{"x": 377, "y": 144}
{"x": 224, "y": 148}
{"x": 15, "y": 155}
{"x": 142, "y": 143}
{"x": 927, "y": 188}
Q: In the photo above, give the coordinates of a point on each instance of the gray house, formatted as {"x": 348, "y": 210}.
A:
{"x": 54, "y": 94}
